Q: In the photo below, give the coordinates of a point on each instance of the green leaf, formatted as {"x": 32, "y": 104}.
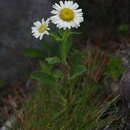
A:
{"x": 57, "y": 115}
{"x": 53, "y": 60}
{"x": 114, "y": 68}
{"x": 123, "y": 28}
{"x": 44, "y": 78}
{"x": 76, "y": 67}
{"x": 77, "y": 71}
{"x": 58, "y": 74}
{"x": 76, "y": 33}
{"x": 45, "y": 67}
{"x": 33, "y": 53}
{"x": 76, "y": 59}
{"x": 2, "y": 83}
{"x": 55, "y": 37}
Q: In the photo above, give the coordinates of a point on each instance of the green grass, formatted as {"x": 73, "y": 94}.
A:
{"x": 77, "y": 104}
{"x": 45, "y": 111}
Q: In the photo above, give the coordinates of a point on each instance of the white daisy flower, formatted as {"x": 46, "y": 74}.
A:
{"x": 40, "y": 28}
{"x": 67, "y": 15}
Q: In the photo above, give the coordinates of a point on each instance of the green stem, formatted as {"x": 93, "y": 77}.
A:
{"x": 65, "y": 46}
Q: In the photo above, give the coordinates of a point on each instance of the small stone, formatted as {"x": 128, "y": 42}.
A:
{"x": 115, "y": 87}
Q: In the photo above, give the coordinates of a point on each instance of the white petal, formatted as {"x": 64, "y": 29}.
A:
{"x": 66, "y": 4}
{"x": 36, "y": 35}
{"x": 62, "y": 4}
{"x": 46, "y": 32}
{"x": 43, "y": 21}
{"x": 41, "y": 36}
{"x": 37, "y": 23}
{"x": 75, "y": 6}
{"x": 34, "y": 28}
{"x": 47, "y": 21}
{"x": 56, "y": 6}
{"x": 78, "y": 11}
{"x": 54, "y": 12}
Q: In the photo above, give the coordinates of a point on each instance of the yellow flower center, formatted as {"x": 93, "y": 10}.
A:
{"x": 66, "y": 14}
{"x": 42, "y": 28}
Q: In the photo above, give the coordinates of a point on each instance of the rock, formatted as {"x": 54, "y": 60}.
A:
{"x": 15, "y": 34}
{"x": 115, "y": 87}
{"x": 125, "y": 88}
{"x": 125, "y": 95}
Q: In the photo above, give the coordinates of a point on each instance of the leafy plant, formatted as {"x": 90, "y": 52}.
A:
{"x": 67, "y": 95}
{"x": 2, "y": 83}
{"x": 64, "y": 98}
{"x": 96, "y": 62}
{"x": 114, "y": 68}
{"x": 33, "y": 53}
{"x": 123, "y": 28}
